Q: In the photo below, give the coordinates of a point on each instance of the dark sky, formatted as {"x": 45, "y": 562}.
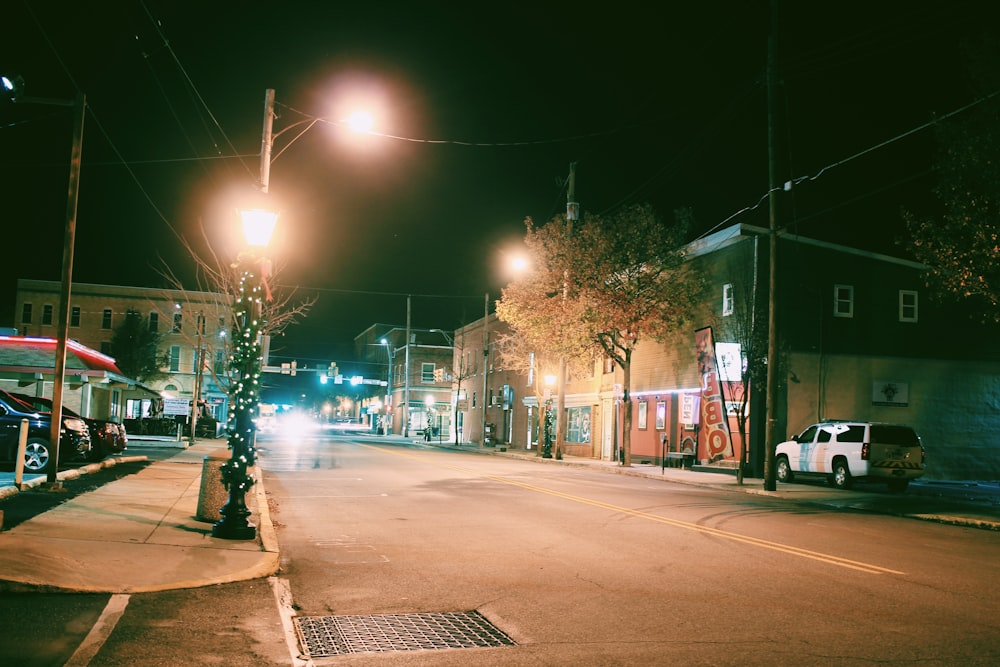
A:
{"x": 655, "y": 102}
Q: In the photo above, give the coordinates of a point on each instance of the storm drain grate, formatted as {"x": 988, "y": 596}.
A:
{"x": 324, "y": 636}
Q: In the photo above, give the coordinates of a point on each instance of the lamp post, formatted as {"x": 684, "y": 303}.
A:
{"x": 388, "y": 398}
{"x": 246, "y": 361}
{"x": 550, "y": 380}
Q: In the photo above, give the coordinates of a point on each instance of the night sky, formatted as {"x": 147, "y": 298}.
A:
{"x": 486, "y": 107}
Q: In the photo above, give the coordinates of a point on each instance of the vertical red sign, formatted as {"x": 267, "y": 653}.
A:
{"x": 713, "y": 408}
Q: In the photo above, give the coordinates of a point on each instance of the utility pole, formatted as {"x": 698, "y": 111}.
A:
{"x": 770, "y": 484}
{"x": 572, "y": 214}
{"x": 486, "y": 358}
{"x": 406, "y": 374}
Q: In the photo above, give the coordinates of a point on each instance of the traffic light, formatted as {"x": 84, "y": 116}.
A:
{"x": 332, "y": 370}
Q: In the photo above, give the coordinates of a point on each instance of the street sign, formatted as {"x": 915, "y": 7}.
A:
{"x": 176, "y": 406}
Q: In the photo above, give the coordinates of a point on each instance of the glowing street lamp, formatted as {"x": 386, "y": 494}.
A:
{"x": 246, "y": 361}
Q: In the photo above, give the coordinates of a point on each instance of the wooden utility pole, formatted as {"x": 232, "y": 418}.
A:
{"x": 770, "y": 484}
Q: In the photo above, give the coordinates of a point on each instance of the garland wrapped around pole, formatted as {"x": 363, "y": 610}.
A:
{"x": 244, "y": 398}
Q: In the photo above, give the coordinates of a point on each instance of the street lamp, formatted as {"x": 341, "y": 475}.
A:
{"x": 388, "y": 397}
{"x": 550, "y": 380}
{"x": 246, "y": 361}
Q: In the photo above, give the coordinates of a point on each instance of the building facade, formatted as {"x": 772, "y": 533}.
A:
{"x": 193, "y": 328}
{"x": 858, "y": 337}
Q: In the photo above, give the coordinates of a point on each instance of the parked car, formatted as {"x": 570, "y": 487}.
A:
{"x": 844, "y": 451}
{"x": 74, "y": 439}
{"x": 106, "y": 437}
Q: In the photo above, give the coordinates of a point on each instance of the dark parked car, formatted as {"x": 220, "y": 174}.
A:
{"x": 106, "y": 437}
{"x": 74, "y": 442}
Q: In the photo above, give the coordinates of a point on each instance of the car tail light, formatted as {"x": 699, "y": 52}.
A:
{"x": 864, "y": 451}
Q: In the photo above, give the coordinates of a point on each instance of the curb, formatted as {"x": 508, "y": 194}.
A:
{"x": 72, "y": 473}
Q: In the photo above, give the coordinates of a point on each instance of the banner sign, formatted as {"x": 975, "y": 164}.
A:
{"x": 713, "y": 408}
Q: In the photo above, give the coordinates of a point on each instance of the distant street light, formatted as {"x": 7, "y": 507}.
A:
{"x": 13, "y": 87}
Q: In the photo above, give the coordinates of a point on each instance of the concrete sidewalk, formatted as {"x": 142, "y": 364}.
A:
{"x": 137, "y": 534}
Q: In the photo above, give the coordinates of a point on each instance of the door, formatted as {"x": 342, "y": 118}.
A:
{"x": 607, "y": 429}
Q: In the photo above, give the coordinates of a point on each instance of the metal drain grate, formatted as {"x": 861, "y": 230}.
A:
{"x": 324, "y": 636}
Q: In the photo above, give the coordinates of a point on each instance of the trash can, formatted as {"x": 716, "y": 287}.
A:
{"x": 212, "y": 495}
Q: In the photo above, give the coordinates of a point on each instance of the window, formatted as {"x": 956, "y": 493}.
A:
{"x": 220, "y": 362}
{"x": 178, "y": 323}
{"x": 26, "y": 313}
{"x": 727, "y": 299}
{"x": 175, "y": 358}
{"x": 74, "y": 316}
{"x": 47, "y": 311}
{"x": 843, "y": 301}
{"x": 200, "y": 324}
{"x": 427, "y": 373}
{"x": 907, "y": 306}
{"x": 106, "y": 318}
{"x": 578, "y": 424}
{"x": 154, "y": 321}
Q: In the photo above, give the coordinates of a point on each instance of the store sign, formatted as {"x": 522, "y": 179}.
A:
{"x": 713, "y": 407}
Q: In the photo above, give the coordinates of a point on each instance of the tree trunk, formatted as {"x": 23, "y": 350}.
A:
{"x": 627, "y": 402}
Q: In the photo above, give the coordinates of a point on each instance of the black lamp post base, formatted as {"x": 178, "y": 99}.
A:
{"x": 228, "y": 531}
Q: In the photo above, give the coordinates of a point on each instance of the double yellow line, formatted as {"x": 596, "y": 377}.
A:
{"x": 734, "y": 537}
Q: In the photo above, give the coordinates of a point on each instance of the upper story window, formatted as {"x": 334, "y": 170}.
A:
{"x": 154, "y": 321}
{"x": 26, "y": 313}
{"x": 175, "y": 358}
{"x": 727, "y": 300}
{"x": 907, "y": 305}
{"x": 200, "y": 324}
{"x": 427, "y": 372}
{"x": 74, "y": 316}
{"x": 178, "y": 323}
{"x": 47, "y": 311}
{"x": 106, "y": 318}
{"x": 843, "y": 301}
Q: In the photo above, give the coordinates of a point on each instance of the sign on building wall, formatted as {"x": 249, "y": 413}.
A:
{"x": 176, "y": 406}
{"x": 890, "y": 393}
{"x": 713, "y": 409}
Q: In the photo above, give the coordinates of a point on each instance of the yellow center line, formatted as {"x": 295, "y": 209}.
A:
{"x": 735, "y": 537}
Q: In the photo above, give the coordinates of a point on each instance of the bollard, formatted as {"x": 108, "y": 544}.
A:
{"x": 212, "y": 495}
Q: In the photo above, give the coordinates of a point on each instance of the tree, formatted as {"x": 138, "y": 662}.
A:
{"x": 547, "y": 325}
{"x": 214, "y": 275}
{"x": 637, "y": 285}
{"x": 961, "y": 245}
{"x": 600, "y": 287}
{"x": 135, "y": 348}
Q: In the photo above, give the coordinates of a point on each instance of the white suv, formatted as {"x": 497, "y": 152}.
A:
{"x": 847, "y": 450}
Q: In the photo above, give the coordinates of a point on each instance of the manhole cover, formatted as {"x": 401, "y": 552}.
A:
{"x": 324, "y": 636}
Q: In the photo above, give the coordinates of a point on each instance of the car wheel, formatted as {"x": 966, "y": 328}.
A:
{"x": 37, "y": 456}
{"x": 783, "y": 470}
{"x": 898, "y": 485}
{"x": 841, "y": 477}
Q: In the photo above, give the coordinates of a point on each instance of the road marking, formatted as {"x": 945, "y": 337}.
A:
{"x": 99, "y": 634}
{"x": 686, "y": 525}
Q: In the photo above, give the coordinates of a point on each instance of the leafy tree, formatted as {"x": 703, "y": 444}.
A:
{"x": 600, "y": 286}
{"x": 135, "y": 348}
{"x": 961, "y": 245}
{"x": 637, "y": 285}
{"x": 547, "y": 325}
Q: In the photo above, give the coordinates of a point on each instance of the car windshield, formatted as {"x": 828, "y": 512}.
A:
{"x": 18, "y": 403}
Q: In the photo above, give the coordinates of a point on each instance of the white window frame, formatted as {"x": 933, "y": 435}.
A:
{"x": 427, "y": 373}
{"x": 728, "y": 302}
{"x": 843, "y": 307}
{"x": 175, "y": 358}
{"x": 107, "y": 318}
{"x": 908, "y": 307}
